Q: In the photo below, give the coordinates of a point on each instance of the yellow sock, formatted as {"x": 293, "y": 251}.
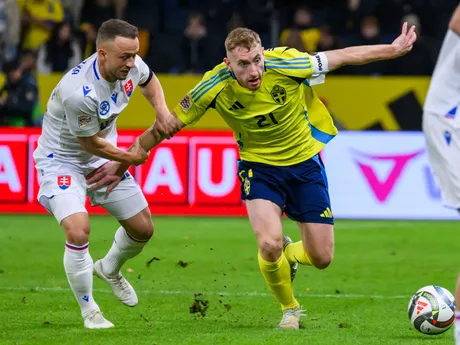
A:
{"x": 294, "y": 252}
{"x": 278, "y": 277}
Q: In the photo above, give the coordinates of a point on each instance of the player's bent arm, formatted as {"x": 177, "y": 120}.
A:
{"x": 153, "y": 93}
{"x": 361, "y": 55}
{"x": 102, "y": 148}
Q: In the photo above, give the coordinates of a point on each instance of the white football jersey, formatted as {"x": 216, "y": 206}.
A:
{"x": 443, "y": 95}
{"x": 84, "y": 104}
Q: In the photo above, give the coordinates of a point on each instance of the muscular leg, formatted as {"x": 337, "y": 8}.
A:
{"x": 135, "y": 231}
{"x": 265, "y": 221}
{"x": 316, "y": 247}
{"x": 130, "y": 239}
{"x": 78, "y": 264}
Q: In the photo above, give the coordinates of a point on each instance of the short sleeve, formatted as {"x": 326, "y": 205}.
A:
{"x": 295, "y": 64}
{"x": 81, "y": 115}
{"x": 202, "y": 97}
{"x": 145, "y": 73}
{"x": 289, "y": 62}
{"x": 320, "y": 68}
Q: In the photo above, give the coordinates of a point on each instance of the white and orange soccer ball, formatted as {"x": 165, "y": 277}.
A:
{"x": 432, "y": 310}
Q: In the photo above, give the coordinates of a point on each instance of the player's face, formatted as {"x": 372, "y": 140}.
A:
{"x": 247, "y": 65}
{"x": 118, "y": 56}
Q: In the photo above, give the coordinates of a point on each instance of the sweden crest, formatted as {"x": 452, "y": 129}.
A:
{"x": 278, "y": 94}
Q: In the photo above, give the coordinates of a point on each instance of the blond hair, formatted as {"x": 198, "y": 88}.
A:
{"x": 242, "y": 37}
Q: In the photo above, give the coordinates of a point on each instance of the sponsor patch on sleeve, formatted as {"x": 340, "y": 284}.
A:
{"x": 84, "y": 120}
{"x": 186, "y": 103}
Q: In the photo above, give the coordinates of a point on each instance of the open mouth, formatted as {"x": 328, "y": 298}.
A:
{"x": 254, "y": 81}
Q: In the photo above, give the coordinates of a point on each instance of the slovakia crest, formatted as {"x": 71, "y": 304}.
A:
{"x": 64, "y": 182}
{"x": 129, "y": 88}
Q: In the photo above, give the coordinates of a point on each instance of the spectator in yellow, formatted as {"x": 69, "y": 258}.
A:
{"x": 38, "y": 18}
{"x": 301, "y": 32}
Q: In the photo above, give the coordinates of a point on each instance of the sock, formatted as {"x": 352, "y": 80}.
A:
{"x": 294, "y": 252}
{"x": 124, "y": 247}
{"x": 78, "y": 266}
{"x": 457, "y": 321}
{"x": 278, "y": 277}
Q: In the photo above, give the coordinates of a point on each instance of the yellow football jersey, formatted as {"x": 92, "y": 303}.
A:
{"x": 271, "y": 124}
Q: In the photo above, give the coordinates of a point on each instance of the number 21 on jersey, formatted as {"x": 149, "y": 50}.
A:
{"x": 265, "y": 120}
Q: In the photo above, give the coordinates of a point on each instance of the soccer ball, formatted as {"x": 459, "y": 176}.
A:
{"x": 432, "y": 310}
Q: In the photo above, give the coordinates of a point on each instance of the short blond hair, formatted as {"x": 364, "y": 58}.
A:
{"x": 242, "y": 37}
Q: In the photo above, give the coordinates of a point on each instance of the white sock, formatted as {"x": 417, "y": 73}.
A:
{"x": 124, "y": 247}
{"x": 457, "y": 327}
{"x": 78, "y": 266}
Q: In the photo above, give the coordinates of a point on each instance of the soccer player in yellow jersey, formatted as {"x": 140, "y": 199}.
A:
{"x": 265, "y": 96}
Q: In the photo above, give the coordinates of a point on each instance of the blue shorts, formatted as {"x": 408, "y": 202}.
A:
{"x": 300, "y": 190}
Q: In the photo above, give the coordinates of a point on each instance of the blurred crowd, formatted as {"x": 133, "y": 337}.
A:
{"x": 186, "y": 36}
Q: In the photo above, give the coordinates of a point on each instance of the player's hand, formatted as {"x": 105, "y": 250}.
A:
{"x": 138, "y": 154}
{"x": 108, "y": 174}
{"x": 164, "y": 125}
{"x": 404, "y": 43}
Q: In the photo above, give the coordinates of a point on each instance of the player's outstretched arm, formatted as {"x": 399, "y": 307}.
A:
{"x": 102, "y": 148}
{"x": 361, "y": 55}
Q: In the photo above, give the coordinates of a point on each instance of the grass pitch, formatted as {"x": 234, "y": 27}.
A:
{"x": 198, "y": 282}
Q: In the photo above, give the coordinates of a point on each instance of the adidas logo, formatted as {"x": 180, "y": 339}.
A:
{"x": 327, "y": 213}
{"x": 237, "y": 105}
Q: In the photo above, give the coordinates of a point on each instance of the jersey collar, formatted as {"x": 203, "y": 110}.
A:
{"x": 98, "y": 75}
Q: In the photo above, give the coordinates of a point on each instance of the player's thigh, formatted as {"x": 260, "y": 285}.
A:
{"x": 308, "y": 198}
{"x": 265, "y": 199}
{"x": 127, "y": 204}
{"x": 265, "y": 219}
{"x": 318, "y": 242}
{"x": 76, "y": 228}
{"x": 62, "y": 194}
{"x": 139, "y": 226}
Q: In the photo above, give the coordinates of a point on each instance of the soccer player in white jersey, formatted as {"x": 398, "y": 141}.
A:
{"x": 441, "y": 125}
{"x": 78, "y": 136}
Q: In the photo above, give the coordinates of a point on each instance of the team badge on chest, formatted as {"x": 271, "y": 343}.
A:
{"x": 129, "y": 88}
{"x": 64, "y": 182}
{"x": 278, "y": 94}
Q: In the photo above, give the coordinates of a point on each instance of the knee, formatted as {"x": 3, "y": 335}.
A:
{"x": 148, "y": 230}
{"x": 143, "y": 228}
{"x": 78, "y": 236}
{"x": 322, "y": 260}
{"x": 271, "y": 248}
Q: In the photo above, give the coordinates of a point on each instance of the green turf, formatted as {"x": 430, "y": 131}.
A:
{"x": 360, "y": 299}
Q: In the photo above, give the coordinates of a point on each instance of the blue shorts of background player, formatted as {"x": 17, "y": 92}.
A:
{"x": 300, "y": 190}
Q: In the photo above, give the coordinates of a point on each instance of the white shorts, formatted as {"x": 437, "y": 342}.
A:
{"x": 63, "y": 192}
{"x": 443, "y": 143}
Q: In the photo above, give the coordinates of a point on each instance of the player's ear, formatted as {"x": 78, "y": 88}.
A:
{"x": 101, "y": 53}
{"x": 227, "y": 63}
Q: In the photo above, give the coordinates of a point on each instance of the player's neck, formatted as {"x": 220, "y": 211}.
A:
{"x": 104, "y": 74}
